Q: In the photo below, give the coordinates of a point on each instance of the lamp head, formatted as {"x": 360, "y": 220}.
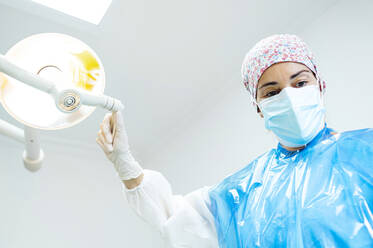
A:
{"x": 67, "y": 62}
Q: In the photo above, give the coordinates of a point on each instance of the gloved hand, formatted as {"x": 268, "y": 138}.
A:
{"x": 112, "y": 138}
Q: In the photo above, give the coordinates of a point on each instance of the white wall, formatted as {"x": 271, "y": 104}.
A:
{"x": 342, "y": 40}
{"x": 76, "y": 201}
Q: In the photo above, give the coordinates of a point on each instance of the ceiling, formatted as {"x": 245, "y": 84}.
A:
{"x": 168, "y": 61}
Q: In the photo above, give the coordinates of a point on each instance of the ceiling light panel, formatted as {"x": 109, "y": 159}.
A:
{"x": 88, "y": 10}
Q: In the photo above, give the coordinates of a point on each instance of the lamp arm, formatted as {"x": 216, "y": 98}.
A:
{"x": 26, "y": 77}
{"x": 32, "y": 156}
{"x": 49, "y": 87}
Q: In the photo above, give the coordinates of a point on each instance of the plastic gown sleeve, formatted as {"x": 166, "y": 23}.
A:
{"x": 183, "y": 221}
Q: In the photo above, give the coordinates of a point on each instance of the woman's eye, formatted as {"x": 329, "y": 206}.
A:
{"x": 301, "y": 84}
{"x": 271, "y": 93}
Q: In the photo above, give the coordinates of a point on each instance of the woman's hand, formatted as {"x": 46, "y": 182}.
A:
{"x": 112, "y": 136}
{"x": 113, "y": 140}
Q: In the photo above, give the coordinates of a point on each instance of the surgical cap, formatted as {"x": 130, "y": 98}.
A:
{"x": 273, "y": 49}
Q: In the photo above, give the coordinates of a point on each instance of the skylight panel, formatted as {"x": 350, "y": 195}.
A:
{"x": 88, "y": 10}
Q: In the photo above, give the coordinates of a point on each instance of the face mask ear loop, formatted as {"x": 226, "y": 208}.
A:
{"x": 322, "y": 99}
{"x": 322, "y": 96}
{"x": 253, "y": 102}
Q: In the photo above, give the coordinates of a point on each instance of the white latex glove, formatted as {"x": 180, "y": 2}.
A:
{"x": 113, "y": 140}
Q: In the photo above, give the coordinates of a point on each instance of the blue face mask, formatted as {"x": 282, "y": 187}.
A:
{"x": 295, "y": 115}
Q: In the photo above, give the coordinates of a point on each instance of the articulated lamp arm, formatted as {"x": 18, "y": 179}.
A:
{"x": 67, "y": 100}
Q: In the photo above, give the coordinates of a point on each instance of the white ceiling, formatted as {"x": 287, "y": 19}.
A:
{"x": 168, "y": 61}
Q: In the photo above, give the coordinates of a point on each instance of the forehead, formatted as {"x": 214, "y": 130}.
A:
{"x": 281, "y": 69}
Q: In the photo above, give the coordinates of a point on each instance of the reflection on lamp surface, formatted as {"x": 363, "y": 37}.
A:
{"x": 62, "y": 59}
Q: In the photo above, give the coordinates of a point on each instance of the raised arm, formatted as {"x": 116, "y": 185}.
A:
{"x": 183, "y": 221}
{"x": 113, "y": 139}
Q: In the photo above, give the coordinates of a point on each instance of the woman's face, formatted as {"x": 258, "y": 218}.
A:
{"x": 281, "y": 75}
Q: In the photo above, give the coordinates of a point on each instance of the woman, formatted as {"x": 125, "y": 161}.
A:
{"x": 314, "y": 190}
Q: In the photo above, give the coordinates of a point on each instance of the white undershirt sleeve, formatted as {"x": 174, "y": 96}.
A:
{"x": 183, "y": 221}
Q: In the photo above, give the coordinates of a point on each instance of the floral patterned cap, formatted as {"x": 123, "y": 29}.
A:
{"x": 273, "y": 49}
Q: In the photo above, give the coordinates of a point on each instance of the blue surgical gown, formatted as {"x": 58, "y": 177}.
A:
{"x": 320, "y": 196}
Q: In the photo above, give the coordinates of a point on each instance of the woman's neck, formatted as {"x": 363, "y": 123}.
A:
{"x": 292, "y": 149}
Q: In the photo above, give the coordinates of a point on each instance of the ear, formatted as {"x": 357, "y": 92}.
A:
{"x": 259, "y": 112}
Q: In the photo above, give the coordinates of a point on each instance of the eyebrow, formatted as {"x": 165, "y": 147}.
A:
{"x": 291, "y": 77}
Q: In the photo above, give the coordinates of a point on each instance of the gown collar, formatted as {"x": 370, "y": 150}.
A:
{"x": 323, "y": 134}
